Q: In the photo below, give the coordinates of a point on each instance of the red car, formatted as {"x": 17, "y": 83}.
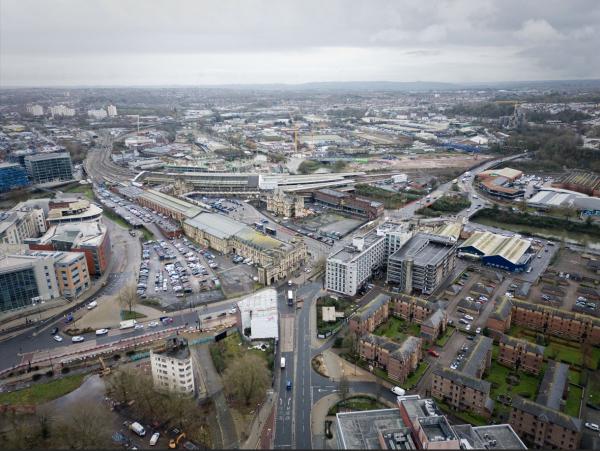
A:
{"x": 433, "y": 352}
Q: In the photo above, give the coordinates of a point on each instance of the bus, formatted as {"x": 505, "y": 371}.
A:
{"x": 270, "y": 231}
{"x": 290, "y": 297}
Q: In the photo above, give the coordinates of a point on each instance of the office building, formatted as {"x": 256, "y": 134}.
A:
{"x": 111, "y": 110}
{"x": 35, "y": 110}
{"x": 49, "y": 167}
{"x": 286, "y": 205}
{"x": 20, "y": 223}
{"x": 12, "y": 176}
{"x": 61, "y": 110}
{"x": 172, "y": 367}
{"x": 276, "y": 259}
{"x": 422, "y": 264}
{"x": 349, "y": 203}
{"x": 498, "y": 251}
{"x": 542, "y": 422}
{"x": 33, "y": 276}
{"x": 91, "y": 238}
{"x": 373, "y": 429}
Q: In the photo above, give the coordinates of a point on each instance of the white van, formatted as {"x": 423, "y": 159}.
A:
{"x": 282, "y": 362}
{"x": 138, "y": 429}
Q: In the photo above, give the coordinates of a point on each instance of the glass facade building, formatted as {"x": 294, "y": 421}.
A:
{"x": 12, "y": 176}
{"x": 17, "y": 288}
{"x": 49, "y": 167}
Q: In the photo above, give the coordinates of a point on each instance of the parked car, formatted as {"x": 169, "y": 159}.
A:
{"x": 77, "y": 339}
{"x": 54, "y": 331}
{"x": 433, "y": 352}
{"x": 153, "y": 324}
{"x": 469, "y": 318}
{"x": 154, "y": 438}
{"x": 592, "y": 426}
{"x": 58, "y": 338}
{"x": 478, "y": 330}
{"x": 398, "y": 391}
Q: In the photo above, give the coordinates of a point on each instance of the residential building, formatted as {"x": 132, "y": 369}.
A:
{"x": 422, "y": 264}
{"x": 172, "y": 368}
{"x": 49, "y": 167}
{"x": 493, "y": 436}
{"x": 35, "y": 110}
{"x": 434, "y": 325}
{"x": 349, "y": 203}
{"x": 91, "y": 238}
{"x": 65, "y": 210}
{"x": 498, "y": 251}
{"x": 258, "y": 317}
{"x": 12, "y": 176}
{"x": 276, "y": 259}
{"x": 20, "y": 223}
{"x": 398, "y": 359}
{"x": 111, "y": 110}
{"x": 61, "y": 110}
{"x": 463, "y": 388}
{"x": 370, "y": 316}
{"x": 541, "y": 422}
{"x": 413, "y": 309}
{"x": 285, "y": 205}
{"x": 520, "y": 354}
{"x": 545, "y": 319}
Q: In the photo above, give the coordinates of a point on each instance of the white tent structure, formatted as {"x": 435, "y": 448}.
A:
{"x": 259, "y": 313}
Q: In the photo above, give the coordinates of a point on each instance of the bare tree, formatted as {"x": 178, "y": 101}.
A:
{"x": 247, "y": 379}
{"x": 85, "y": 426}
{"x": 343, "y": 387}
{"x": 128, "y": 297}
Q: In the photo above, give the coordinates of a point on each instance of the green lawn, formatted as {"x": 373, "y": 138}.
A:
{"x": 463, "y": 415}
{"x": 573, "y": 400}
{"x": 147, "y": 234}
{"x": 441, "y": 342}
{"x": 356, "y": 403}
{"x": 574, "y": 377}
{"x": 232, "y": 347}
{"x": 341, "y": 305}
{"x": 414, "y": 378}
{"x": 41, "y": 393}
{"x": 567, "y": 354}
{"x": 497, "y": 375}
{"x": 126, "y": 314}
{"x": 83, "y": 189}
{"x": 116, "y": 218}
{"x": 593, "y": 389}
{"x": 397, "y": 329}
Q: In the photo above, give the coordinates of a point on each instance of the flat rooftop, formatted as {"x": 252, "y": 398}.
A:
{"x": 425, "y": 249}
{"x": 361, "y": 430}
{"x": 497, "y": 436}
{"x": 350, "y": 252}
{"x": 182, "y": 207}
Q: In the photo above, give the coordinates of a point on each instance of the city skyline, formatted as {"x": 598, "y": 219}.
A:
{"x": 208, "y": 43}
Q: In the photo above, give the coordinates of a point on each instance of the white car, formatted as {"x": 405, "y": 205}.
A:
{"x": 138, "y": 326}
{"x": 154, "y": 438}
{"x": 469, "y": 318}
{"x": 592, "y": 426}
{"x": 468, "y": 327}
{"x": 101, "y": 331}
{"x": 77, "y": 339}
{"x": 91, "y": 305}
{"x": 232, "y": 310}
{"x": 58, "y": 338}
{"x": 478, "y": 330}
{"x": 153, "y": 324}
{"x": 398, "y": 391}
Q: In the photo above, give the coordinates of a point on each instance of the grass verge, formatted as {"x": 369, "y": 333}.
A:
{"x": 41, "y": 393}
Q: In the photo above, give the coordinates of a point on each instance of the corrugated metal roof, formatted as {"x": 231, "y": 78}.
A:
{"x": 488, "y": 243}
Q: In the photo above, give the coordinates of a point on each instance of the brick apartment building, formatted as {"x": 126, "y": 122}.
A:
{"x": 412, "y": 309}
{"x": 463, "y": 388}
{"x": 541, "y": 422}
{"x": 434, "y": 326}
{"x": 520, "y": 354}
{"x": 399, "y": 359}
{"x": 368, "y": 317}
{"x": 550, "y": 320}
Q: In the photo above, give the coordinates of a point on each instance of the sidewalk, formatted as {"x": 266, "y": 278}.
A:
{"x": 261, "y": 431}
{"x": 336, "y": 366}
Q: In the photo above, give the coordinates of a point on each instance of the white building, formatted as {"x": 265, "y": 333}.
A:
{"x": 348, "y": 268}
{"x": 172, "y": 369}
{"x": 61, "y": 110}
{"x": 97, "y": 114}
{"x": 259, "y": 313}
{"x": 35, "y": 110}
{"x": 111, "y": 110}
{"x": 400, "y": 178}
{"x": 20, "y": 223}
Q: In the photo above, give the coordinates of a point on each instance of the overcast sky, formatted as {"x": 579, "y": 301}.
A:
{"x": 153, "y": 42}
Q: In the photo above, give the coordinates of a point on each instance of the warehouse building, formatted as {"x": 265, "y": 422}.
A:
{"x": 422, "y": 264}
{"x": 498, "y": 251}
{"x": 580, "y": 181}
{"x": 276, "y": 259}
